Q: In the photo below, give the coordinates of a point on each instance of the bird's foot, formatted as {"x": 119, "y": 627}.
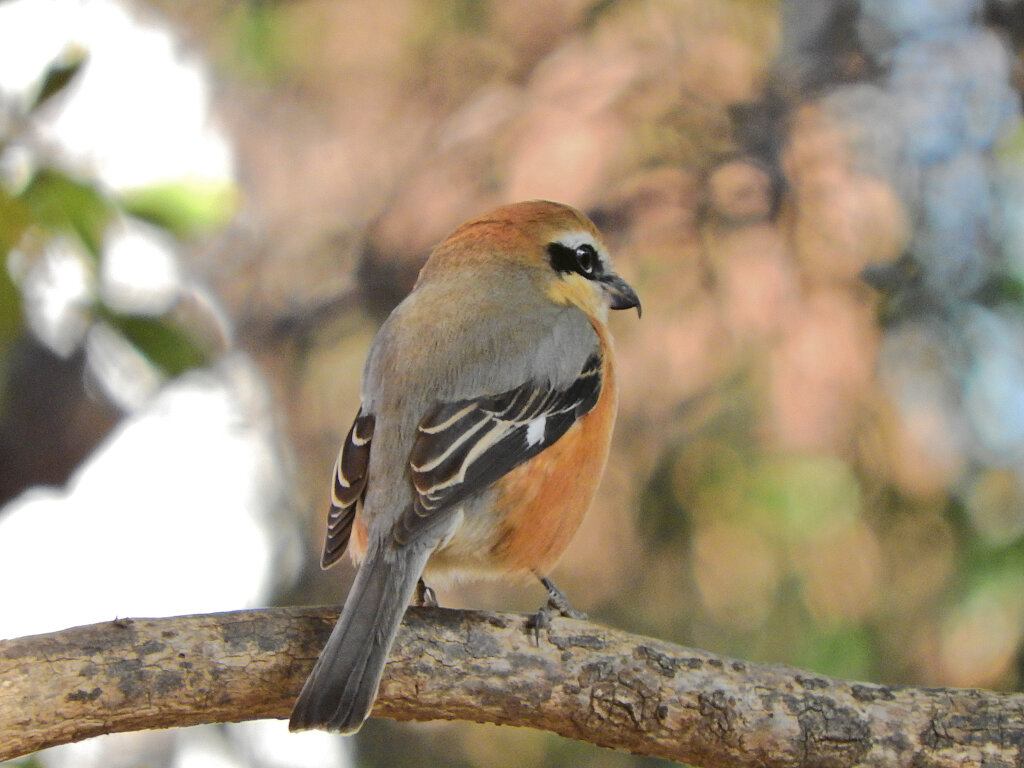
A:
{"x": 558, "y": 605}
{"x": 425, "y": 597}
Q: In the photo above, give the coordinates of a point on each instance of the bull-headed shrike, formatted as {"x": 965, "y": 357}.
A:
{"x": 486, "y": 414}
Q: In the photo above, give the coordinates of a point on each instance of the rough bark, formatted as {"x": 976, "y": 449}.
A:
{"x": 574, "y": 678}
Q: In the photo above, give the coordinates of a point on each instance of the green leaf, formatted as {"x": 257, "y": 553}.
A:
{"x": 261, "y": 41}
{"x": 846, "y": 652}
{"x": 11, "y": 321}
{"x": 30, "y": 761}
{"x": 14, "y": 220}
{"x": 163, "y": 342}
{"x": 187, "y": 208}
{"x": 59, "y": 75}
{"x": 794, "y": 497}
{"x": 10, "y": 307}
{"x": 467, "y": 15}
{"x": 63, "y": 205}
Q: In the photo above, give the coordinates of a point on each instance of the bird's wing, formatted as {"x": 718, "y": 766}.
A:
{"x": 463, "y": 447}
{"x": 349, "y": 487}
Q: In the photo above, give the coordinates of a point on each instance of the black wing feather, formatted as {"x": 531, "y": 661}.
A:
{"x": 349, "y": 487}
{"x": 463, "y": 447}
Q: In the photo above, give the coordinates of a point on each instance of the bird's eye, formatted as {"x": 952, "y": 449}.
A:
{"x": 586, "y": 260}
{"x": 581, "y": 259}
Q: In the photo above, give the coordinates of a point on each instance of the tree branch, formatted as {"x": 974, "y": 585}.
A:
{"x": 576, "y": 679}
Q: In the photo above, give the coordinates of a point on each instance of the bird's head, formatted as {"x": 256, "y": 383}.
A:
{"x": 560, "y": 247}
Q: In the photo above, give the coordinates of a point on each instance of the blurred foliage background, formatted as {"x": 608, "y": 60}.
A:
{"x": 820, "y": 451}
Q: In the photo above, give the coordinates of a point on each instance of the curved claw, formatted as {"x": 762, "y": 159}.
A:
{"x": 557, "y": 605}
{"x": 557, "y": 601}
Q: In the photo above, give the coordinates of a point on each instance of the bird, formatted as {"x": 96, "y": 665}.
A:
{"x": 486, "y": 412}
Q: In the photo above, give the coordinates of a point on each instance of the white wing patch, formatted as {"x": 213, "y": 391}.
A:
{"x": 535, "y": 431}
{"x": 461, "y": 448}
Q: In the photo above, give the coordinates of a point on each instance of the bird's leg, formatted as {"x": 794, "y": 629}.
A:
{"x": 557, "y": 605}
{"x": 425, "y": 597}
{"x": 559, "y": 602}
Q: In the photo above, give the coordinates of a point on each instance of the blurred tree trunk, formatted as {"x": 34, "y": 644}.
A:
{"x": 49, "y": 423}
{"x": 574, "y": 678}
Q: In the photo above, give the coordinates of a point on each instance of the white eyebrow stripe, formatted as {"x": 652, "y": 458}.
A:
{"x": 575, "y": 239}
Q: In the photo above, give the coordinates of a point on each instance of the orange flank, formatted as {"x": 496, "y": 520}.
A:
{"x": 540, "y": 506}
{"x": 358, "y": 538}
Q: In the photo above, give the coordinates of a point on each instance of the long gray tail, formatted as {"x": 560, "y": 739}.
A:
{"x": 341, "y": 688}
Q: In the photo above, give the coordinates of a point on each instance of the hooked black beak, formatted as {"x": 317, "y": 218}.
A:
{"x": 622, "y": 294}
